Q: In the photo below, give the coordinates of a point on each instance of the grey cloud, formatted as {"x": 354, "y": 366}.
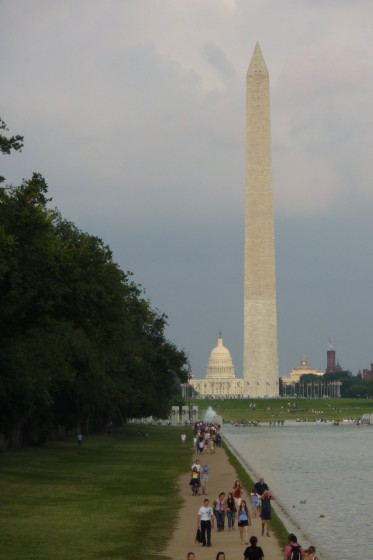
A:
{"x": 138, "y": 124}
{"x": 217, "y": 59}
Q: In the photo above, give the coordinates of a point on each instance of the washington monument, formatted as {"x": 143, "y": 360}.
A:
{"x": 260, "y": 367}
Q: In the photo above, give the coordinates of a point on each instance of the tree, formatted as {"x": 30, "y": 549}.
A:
{"x": 8, "y": 144}
{"x": 310, "y": 378}
{"x": 79, "y": 344}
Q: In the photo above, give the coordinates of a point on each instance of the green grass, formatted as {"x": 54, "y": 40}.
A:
{"x": 278, "y": 409}
{"x": 108, "y": 499}
{"x": 277, "y": 526}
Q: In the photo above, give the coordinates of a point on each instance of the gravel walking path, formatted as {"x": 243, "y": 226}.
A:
{"x": 221, "y": 479}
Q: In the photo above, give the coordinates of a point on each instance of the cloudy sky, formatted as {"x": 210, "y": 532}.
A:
{"x": 134, "y": 112}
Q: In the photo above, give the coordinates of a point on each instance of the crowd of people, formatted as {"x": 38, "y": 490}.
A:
{"x": 234, "y": 508}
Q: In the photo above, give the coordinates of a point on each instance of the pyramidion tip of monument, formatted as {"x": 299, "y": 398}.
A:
{"x": 257, "y": 63}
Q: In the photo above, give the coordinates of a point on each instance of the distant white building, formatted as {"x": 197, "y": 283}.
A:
{"x": 302, "y": 369}
{"x": 220, "y": 380}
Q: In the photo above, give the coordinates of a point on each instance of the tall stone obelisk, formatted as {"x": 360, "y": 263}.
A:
{"x": 260, "y": 370}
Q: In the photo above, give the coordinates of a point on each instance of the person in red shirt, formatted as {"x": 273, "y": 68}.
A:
{"x": 237, "y": 493}
{"x": 293, "y": 550}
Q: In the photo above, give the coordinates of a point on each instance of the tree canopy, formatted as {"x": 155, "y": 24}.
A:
{"x": 9, "y": 144}
{"x": 79, "y": 344}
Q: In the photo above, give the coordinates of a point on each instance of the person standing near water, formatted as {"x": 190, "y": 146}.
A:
{"x": 261, "y": 486}
{"x": 311, "y": 553}
{"x": 265, "y": 510}
{"x": 293, "y": 550}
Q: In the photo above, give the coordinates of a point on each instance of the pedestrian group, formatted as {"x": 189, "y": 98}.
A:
{"x": 233, "y": 508}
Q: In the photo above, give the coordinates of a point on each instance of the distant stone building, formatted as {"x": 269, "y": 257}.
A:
{"x": 331, "y": 365}
{"x": 368, "y": 373}
{"x": 330, "y": 361}
{"x": 220, "y": 380}
{"x": 296, "y": 373}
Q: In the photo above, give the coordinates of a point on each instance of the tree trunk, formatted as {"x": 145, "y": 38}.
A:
{"x": 87, "y": 424}
{"x": 2, "y": 442}
{"x": 16, "y": 435}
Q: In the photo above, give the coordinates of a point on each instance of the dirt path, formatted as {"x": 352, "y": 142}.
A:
{"x": 222, "y": 477}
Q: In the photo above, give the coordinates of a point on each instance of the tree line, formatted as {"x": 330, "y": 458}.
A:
{"x": 80, "y": 346}
{"x": 352, "y": 386}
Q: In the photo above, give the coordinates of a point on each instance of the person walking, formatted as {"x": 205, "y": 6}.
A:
{"x": 205, "y": 479}
{"x": 220, "y": 556}
{"x": 198, "y": 466}
{"x": 205, "y": 522}
{"x": 243, "y": 521}
{"x": 265, "y": 510}
{"x": 261, "y": 486}
{"x": 237, "y": 493}
{"x": 253, "y": 552}
{"x": 211, "y": 446}
{"x": 310, "y": 553}
{"x": 293, "y": 550}
{"x": 255, "y": 503}
{"x": 220, "y": 507}
{"x": 231, "y": 511}
{"x": 194, "y": 482}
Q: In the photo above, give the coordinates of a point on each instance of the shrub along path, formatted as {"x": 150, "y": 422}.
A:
{"x": 222, "y": 477}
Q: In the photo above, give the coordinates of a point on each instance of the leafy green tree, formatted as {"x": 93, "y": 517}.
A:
{"x": 310, "y": 378}
{"x": 26, "y": 254}
{"x": 337, "y": 376}
{"x": 8, "y": 144}
{"x": 79, "y": 344}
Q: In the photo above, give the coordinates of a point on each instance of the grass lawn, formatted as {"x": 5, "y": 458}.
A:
{"x": 287, "y": 408}
{"x": 115, "y": 497}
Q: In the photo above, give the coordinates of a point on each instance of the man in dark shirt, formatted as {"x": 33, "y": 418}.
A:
{"x": 260, "y": 486}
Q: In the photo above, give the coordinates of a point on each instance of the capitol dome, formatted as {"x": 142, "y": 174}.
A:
{"x": 220, "y": 363}
{"x": 220, "y": 381}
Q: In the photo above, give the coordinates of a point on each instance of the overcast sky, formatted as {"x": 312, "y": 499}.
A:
{"x": 134, "y": 112}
